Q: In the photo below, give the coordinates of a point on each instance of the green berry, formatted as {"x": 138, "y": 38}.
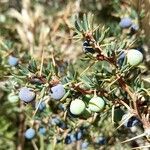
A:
{"x": 96, "y": 104}
{"x": 77, "y": 107}
{"x": 134, "y": 57}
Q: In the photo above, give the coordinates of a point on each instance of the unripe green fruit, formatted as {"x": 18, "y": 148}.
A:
{"x": 96, "y": 104}
{"x": 13, "y": 98}
{"x": 134, "y": 57}
{"x": 77, "y": 107}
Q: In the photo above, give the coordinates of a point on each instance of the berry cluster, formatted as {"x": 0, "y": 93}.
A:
{"x": 66, "y": 105}
{"x": 126, "y": 22}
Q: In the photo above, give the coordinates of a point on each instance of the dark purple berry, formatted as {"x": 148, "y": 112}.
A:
{"x": 101, "y": 140}
{"x": 125, "y": 22}
{"x": 87, "y": 48}
{"x": 134, "y": 28}
{"x": 84, "y": 145}
{"x": 133, "y": 121}
{"x": 121, "y": 58}
{"x": 73, "y": 137}
{"x": 79, "y": 134}
{"x": 30, "y": 133}
{"x": 57, "y": 92}
{"x": 42, "y": 130}
{"x": 40, "y": 106}
{"x": 26, "y": 94}
{"x": 55, "y": 120}
{"x": 13, "y": 61}
{"x": 68, "y": 139}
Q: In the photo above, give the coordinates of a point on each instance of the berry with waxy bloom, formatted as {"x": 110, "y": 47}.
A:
{"x": 30, "y": 133}
{"x": 57, "y": 91}
{"x": 41, "y": 106}
{"x": 100, "y": 140}
{"x": 87, "y": 48}
{"x": 26, "y": 94}
{"x": 42, "y": 130}
{"x": 125, "y": 22}
{"x": 13, "y": 61}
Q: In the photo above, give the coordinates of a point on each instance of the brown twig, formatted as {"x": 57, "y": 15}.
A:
{"x": 84, "y": 91}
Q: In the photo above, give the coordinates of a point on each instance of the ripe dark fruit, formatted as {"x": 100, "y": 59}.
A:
{"x": 26, "y": 95}
{"x": 101, "y": 140}
{"x": 57, "y": 92}
{"x": 42, "y": 130}
{"x": 79, "y": 135}
{"x": 84, "y": 145}
{"x": 125, "y": 22}
{"x": 55, "y": 120}
{"x": 87, "y": 48}
{"x": 40, "y": 106}
{"x": 68, "y": 139}
{"x": 30, "y": 133}
{"x": 121, "y": 58}
{"x": 13, "y": 61}
{"x": 134, "y": 28}
{"x": 58, "y": 122}
{"x": 133, "y": 121}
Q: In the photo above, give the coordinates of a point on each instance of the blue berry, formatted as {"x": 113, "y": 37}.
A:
{"x": 55, "y": 121}
{"x": 125, "y": 22}
{"x": 140, "y": 49}
{"x": 26, "y": 95}
{"x": 101, "y": 140}
{"x": 30, "y": 133}
{"x": 134, "y": 28}
{"x": 62, "y": 107}
{"x": 42, "y": 130}
{"x": 57, "y": 92}
{"x": 41, "y": 106}
{"x": 133, "y": 121}
{"x": 87, "y": 48}
{"x": 121, "y": 58}
{"x": 62, "y": 125}
{"x": 73, "y": 137}
{"x": 13, "y": 61}
{"x": 68, "y": 139}
{"x": 79, "y": 135}
{"x": 84, "y": 145}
